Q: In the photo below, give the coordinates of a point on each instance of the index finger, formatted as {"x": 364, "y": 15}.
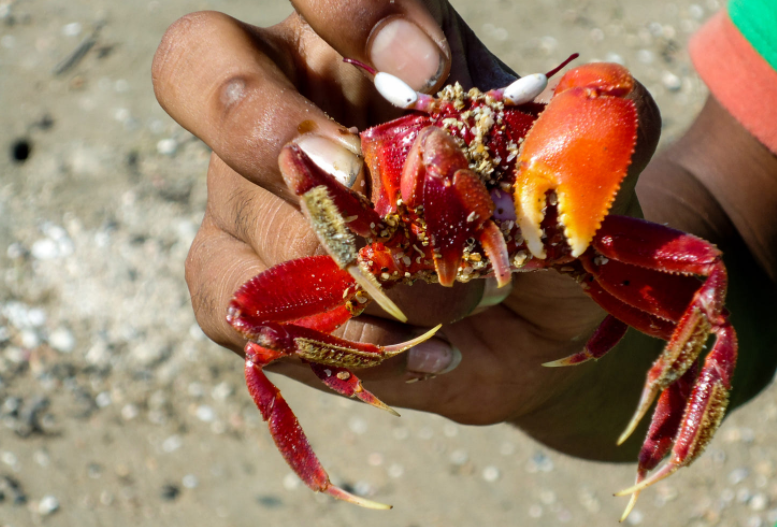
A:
{"x": 229, "y": 84}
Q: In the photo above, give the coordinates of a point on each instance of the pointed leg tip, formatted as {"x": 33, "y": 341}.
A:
{"x": 572, "y": 360}
{"x": 625, "y": 492}
{"x": 370, "y": 399}
{"x": 395, "y": 349}
{"x": 503, "y": 279}
{"x": 642, "y": 409}
{"x": 371, "y": 286}
{"x": 340, "y": 494}
{"x": 560, "y": 363}
{"x": 629, "y": 507}
{"x": 664, "y": 472}
{"x": 633, "y": 424}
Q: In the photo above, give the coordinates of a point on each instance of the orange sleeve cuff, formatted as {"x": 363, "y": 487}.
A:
{"x": 738, "y": 76}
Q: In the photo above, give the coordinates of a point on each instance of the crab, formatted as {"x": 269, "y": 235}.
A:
{"x": 472, "y": 184}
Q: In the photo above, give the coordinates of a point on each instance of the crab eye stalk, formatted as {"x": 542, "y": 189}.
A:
{"x": 395, "y": 90}
{"x": 525, "y": 89}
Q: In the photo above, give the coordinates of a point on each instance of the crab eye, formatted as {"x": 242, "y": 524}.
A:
{"x": 395, "y": 90}
{"x": 526, "y": 89}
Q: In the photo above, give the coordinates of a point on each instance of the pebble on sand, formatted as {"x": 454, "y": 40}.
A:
{"x": 62, "y": 340}
{"x": 491, "y": 473}
{"x": 48, "y": 505}
{"x": 170, "y": 492}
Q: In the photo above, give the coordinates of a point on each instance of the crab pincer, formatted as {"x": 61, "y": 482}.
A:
{"x": 455, "y": 203}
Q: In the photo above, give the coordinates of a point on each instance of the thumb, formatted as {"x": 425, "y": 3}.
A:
{"x": 395, "y": 36}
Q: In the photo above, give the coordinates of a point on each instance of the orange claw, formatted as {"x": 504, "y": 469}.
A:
{"x": 580, "y": 147}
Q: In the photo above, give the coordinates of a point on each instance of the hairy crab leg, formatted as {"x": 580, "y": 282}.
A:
{"x": 288, "y": 434}
{"x": 658, "y": 293}
{"x": 650, "y": 301}
{"x": 335, "y": 212}
{"x": 664, "y": 427}
{"x": 645, "y": 322}
{"x": 656, "y": 247}
{"x": 307, "y": 287}
{"x": 270, "y": 341}
{"x": 704, "y": 411}
{"x": 614, "y": 326}
{"x": 321, "y": 348}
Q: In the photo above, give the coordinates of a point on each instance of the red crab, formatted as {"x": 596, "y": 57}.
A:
{"x": 472, "y": 184}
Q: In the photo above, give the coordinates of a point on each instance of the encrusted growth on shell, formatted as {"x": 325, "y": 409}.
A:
{"x": 478, "y": 116}
{"x": 330, "y": 226}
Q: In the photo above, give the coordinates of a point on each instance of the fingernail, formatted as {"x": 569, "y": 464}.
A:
{"x": 401, "y": 48}
{"x": 333, "y": 158}
{"x": 492, "y": 295}
{"x": 433, "y": 356}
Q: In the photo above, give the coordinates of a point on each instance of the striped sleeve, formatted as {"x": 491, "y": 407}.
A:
{"x": 735, "y": 54}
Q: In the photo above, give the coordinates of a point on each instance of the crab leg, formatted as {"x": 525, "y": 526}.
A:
{"x": 315, "y": 346}
{"x": 640, "y": 243}
{"x": 606, "y": 336}
{"x": 344, "y": 382}
{"x": 704, "y": 411}
{"x": 660, "y": 294}
{"x": 273, "y": 341}
{"x": 290, "y": 310}
{"x": 664, "y": 426}
{"x": 335, "y": 212}
{"x": 614, "y": 326}
{"x": 306, "y": 287}
{"x": 288, "y": 434}
{"x": 658, "y": 248}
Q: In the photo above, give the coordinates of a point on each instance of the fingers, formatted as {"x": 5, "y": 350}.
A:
{"x": 272, "y": 227}
{"x": 400, "y": 37}
{"x": 248, "y": 229}
{"x": 276, "y": 231}
{"x": 216, "y": 266}
{"x": 228, "y": 83}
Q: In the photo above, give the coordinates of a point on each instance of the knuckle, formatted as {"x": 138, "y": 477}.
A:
{"x": 244, "y": 212}
{"x": 247, "y": 104}
{"x": 193, "y": 273}
{"x": 234, "y": 89}
{"x": 289, "y": 234}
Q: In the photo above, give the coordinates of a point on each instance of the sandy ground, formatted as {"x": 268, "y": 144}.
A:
{"x": 116, "y": 410}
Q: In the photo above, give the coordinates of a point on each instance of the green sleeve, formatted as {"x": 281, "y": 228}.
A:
{"x": 757, "y": 21}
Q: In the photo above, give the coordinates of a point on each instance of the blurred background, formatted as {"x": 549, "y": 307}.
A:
{"x": 114, "y": 407}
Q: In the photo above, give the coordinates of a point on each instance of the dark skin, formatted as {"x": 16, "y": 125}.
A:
{"x": 245, "y": 90}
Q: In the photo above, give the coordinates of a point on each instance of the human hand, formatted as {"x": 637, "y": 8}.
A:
{"x": 246, "y": 91}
